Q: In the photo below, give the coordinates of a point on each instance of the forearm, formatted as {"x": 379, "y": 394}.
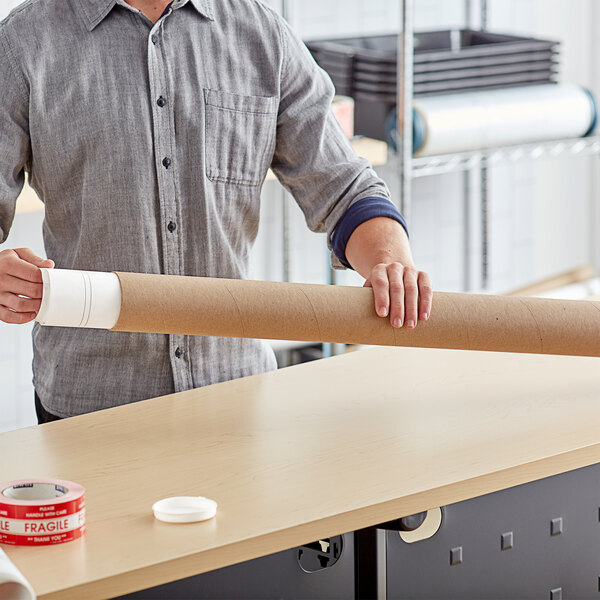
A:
{"x": 378, "y": 249}
{"x": 378, "y": 241}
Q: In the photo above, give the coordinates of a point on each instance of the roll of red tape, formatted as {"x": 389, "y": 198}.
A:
{"x": 38, "y": 512}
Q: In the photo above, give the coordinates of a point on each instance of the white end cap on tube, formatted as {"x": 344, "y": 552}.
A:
{"x": 80, "y": 299}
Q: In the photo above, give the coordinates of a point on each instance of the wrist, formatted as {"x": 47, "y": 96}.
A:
{"x": 389, "y": 258}
{"x": 378, "y": 241}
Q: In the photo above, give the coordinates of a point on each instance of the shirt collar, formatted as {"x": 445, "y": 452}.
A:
{"x": 94, "y": 11}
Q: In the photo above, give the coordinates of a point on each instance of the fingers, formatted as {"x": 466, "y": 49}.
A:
{"x": 402, "y": 292}
{"x": 411, "y": 297}
{"x": 29, "y": 256}
{"x": 9, "y": 316}
{"x": 19, "y": 304}
{"x": 381, "y": 292}
{"x": 24, "y": 264}
{"x": 14, "y": 285}
{"x": 425, "y": 296}
{"x": 396, "y": 277}
{"x": 21, "y": 286}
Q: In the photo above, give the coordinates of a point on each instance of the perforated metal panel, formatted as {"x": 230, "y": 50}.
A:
{"x": 550, "y": 532}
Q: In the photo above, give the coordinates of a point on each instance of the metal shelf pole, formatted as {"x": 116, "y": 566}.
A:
{"x": 485, "y": 225}
{"x": 483, "y": 176}
{"x": 467, "y": 198}
{"x": 286, "y": 13}
{"x": 484, "y": 15}
{"x": 468, "y": 13}
{"x": 405, "y": 96}
{"x": 468, "y": 191}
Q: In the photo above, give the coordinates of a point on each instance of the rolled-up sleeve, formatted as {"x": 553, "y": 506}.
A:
{"x": 15, "y": 148}
{"x": 313, "y": 158}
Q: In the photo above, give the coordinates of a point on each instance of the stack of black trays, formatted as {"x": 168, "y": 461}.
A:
{"x": 445, "y": 62}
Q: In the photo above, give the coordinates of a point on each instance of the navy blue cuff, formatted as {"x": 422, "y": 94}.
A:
{"x": 364, "y": 210}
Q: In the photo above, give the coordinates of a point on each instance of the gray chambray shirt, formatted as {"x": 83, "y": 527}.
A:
{"x": 148, "y": 145}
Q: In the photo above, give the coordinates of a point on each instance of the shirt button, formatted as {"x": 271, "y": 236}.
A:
{"x": 161, "y": 101}
{"x": 172, "y": 226}
{"x": 166, "y": 162}
{"x": 154, "y": 39}
{"x": 178, "y": 353}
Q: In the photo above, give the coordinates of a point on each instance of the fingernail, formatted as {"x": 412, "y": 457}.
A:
{"x": 382, "y": 312}
{"x": 410, "y": 324}
{"x": 397, "y": 323}
{"x": 424, "y": 316}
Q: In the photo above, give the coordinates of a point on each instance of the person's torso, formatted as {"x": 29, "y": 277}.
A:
{"x": 149, "y": 147}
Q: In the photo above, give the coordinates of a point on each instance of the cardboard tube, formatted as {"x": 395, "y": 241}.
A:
{"x": 321, "y": 313}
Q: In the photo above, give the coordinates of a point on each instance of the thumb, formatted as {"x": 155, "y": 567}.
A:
{"x": 29, "y": 256}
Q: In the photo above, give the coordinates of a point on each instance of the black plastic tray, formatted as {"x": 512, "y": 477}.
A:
{"x": 429, "y": 47}
{"x": 356, "y": 66}
{"x": 548, "y": 67}
{"x": 491, "y": 61}
{"x": 451, "y": 65}
{"x": 526, "y": 73}
{"x": 452, "y": 87}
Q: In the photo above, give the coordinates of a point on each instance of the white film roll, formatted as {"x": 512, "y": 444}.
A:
{"x": 489, "y": 118}
{"x": 80, "y": 299}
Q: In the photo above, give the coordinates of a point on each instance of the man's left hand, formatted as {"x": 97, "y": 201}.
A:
{"x": 402, "y": 292}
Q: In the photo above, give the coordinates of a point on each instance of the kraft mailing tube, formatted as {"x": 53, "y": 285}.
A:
{"x": 323, "y": 313}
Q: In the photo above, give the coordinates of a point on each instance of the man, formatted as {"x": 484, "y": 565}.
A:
{"x": 147, "y": 128}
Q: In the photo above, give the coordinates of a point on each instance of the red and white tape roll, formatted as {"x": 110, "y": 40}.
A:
{"x": 38, "y": 512}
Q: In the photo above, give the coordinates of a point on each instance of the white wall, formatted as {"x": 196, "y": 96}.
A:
{"x": 561, "y": 189}
{"x": 540, "y": 211}
{"x": 7, "y": 6}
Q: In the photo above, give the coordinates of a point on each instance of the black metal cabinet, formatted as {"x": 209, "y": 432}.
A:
{"x": 538, "y": 540}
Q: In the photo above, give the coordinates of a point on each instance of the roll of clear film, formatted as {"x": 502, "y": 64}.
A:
{"x": 490, "y": 118}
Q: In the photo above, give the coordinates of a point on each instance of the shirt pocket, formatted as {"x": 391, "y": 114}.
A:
{"x": 240, "y": 137}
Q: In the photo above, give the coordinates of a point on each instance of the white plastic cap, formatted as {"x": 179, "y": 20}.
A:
{"x": 184, "y": 509}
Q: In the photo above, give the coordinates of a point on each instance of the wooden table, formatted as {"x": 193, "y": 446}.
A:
{"x": 373, "y": 150}
{"x": 300, "y": 454}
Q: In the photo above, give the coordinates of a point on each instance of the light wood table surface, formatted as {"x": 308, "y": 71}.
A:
{"x": 300, "y": 454}
{"x": 373, "y": 150}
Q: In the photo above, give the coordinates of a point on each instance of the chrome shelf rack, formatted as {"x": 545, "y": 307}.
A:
{"x": 460, "y": 161}
{"x": 409, "y": 167}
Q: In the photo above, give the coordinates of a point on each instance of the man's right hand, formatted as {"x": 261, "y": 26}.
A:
{"x": 20, "y": 276}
